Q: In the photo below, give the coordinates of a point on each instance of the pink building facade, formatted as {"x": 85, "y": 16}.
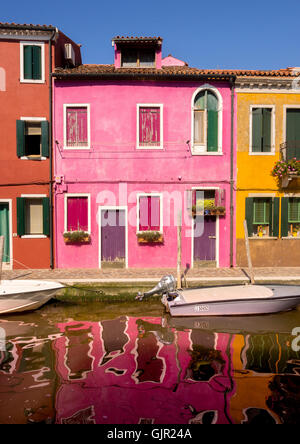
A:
{"x": 138, "y": 144}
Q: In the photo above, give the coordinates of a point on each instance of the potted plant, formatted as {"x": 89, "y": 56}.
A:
{"x": 289, "y": 168}
{"x": 218, "y": 211}
{"x": 260, "y": 231}
{"x": 295, "y": 230}
{"x": 149, "y": 237}
{"x": 77, "y": 237}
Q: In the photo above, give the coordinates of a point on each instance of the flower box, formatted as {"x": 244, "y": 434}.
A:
{"x": 77, "y": 237}
{"x": 212, "y": 211}
{"x": 150, "y": 237}
{"x": 218, "y": 211}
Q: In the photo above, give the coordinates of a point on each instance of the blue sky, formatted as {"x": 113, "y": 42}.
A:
{"x": 206, "y": 34}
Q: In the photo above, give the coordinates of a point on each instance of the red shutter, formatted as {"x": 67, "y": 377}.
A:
{"x": 149, "y": 126}
{"x": 77, "y": 214}
{"x": 149, "y": 214}
{"x": 143, "y": 214}
{"x": 154, "y": 212}
{"x": 77, "y": 133}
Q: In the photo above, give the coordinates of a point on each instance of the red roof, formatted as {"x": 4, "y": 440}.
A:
{"x": 27, "y": 26}
{"x": 170, "y": 71}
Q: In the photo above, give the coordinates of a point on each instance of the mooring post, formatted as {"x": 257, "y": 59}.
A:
{"x": 251, "y": 275}
{"x": 179, "y": 223}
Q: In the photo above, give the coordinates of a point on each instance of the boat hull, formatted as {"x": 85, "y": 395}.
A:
{"x": 21, "y": 296}
{"x": 283, "y": 298}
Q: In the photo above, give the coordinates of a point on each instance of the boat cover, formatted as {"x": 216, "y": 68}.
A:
{"x": 226, "y": 293}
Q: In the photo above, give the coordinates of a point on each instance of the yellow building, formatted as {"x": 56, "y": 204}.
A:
{"x": 268, "y": 131}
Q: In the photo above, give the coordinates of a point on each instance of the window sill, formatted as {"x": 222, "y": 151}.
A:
{"x": 76, "y": 148}
{"x": 208, "y": 153}
{"x": 149, "y": 147}
{"x": 263, "y": 238}
{"x": 34, "y": 236}
{"x": 35, "y": 158}
{"x": 32, "y": 81}
{"x": 272, "y": 153}
{"x": 291, "y": 238}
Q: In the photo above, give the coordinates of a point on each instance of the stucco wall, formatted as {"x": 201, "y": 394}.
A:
{"x": 113, "y": 158}
{"x": 254, "y": 178}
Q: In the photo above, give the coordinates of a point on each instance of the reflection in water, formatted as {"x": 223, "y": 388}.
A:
{"x": 131, "y": 369}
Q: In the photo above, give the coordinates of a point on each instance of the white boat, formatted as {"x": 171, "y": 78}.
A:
{"x": 225, "y": 300}
{"x": 249, "y": 299}
{"x": 24, "y": 295}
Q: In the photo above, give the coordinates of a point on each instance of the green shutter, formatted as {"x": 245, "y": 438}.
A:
{"x": 27, "y": 61}
{"x": 36, "y": 62}
{"x": 293, "y": 133}
{"x": 294, "y": 210}
{"x": 20, "y": 216}
{"x": 249, "y": 214}
{"x": 46, "y": 216}
{"x": 275, "y": 227}
{"x": 212, "y": 130}
{"x": 256, "y": 129}
{"x": 284, "y": 217}
{"x": 45, "y": 138}
{"x": 20, "y": 138}
{"x": 267, "y": 122}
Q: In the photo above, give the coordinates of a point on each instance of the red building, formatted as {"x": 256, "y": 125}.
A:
{"x": 28, "y": 55}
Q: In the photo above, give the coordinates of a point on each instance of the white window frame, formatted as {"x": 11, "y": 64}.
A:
{"x": 149, "y": 105}
{"x": 285, "y": 109}
{"x": 33, "y": 119}
{"x": 273, "y": 130}
{"x": 66, "y": 209}
{"x": 218, "y": 238}
{"x": 161, "y": 223}
{"x": 34, "y": 236}
{"x": 32, "y": 43}
{"x": 201, "y": 150}
{"x": 104, "y": 208}
{"x": 9, "y": 265}
{"x": 77, "y": 105}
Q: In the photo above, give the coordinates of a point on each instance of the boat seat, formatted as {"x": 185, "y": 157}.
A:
{"x": 226, "y": 293}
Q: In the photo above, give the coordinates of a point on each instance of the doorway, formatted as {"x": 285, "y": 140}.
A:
{"x": 5, "y": 230}
{"x": 205, "y": 228}
{"x": 113, "y": 237}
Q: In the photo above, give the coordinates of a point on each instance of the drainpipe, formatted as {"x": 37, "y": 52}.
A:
{"x": 50, "y": 150}
{"x": 232, "y": 81}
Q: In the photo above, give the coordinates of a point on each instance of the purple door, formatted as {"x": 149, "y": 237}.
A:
{"x": 113, "y": 236}
{"x": 205, "y": 245}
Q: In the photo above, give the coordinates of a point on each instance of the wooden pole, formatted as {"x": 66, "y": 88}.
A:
{"x": 1, "y": 254}
{"x": 179, "y": 223}
{"x": 248, "y": 254}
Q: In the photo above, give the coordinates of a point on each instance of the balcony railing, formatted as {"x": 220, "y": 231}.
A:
{"x": 290, "y": 150}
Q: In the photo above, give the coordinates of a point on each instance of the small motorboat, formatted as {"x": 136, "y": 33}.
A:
{"x": 24, "y": 295}
{"x": 228, "y": 300}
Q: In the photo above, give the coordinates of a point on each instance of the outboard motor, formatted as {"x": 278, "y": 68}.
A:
{"x": 166, "y": 284}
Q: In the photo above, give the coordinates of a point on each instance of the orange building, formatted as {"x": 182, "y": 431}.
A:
{"x": 28, "y": 55}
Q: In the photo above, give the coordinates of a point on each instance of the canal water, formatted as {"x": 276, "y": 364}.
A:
{"x": 129, "y": 363}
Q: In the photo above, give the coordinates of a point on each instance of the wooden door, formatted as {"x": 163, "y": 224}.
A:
{"x": 113, "y": 242}
{"x": 205, "y": 245}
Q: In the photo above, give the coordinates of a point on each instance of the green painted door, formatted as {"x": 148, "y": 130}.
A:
{"x": 293, "y": 133}
{"x": 4, "y": 230}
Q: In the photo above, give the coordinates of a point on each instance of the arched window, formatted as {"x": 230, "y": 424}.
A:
{"x": 206, "y": 122}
